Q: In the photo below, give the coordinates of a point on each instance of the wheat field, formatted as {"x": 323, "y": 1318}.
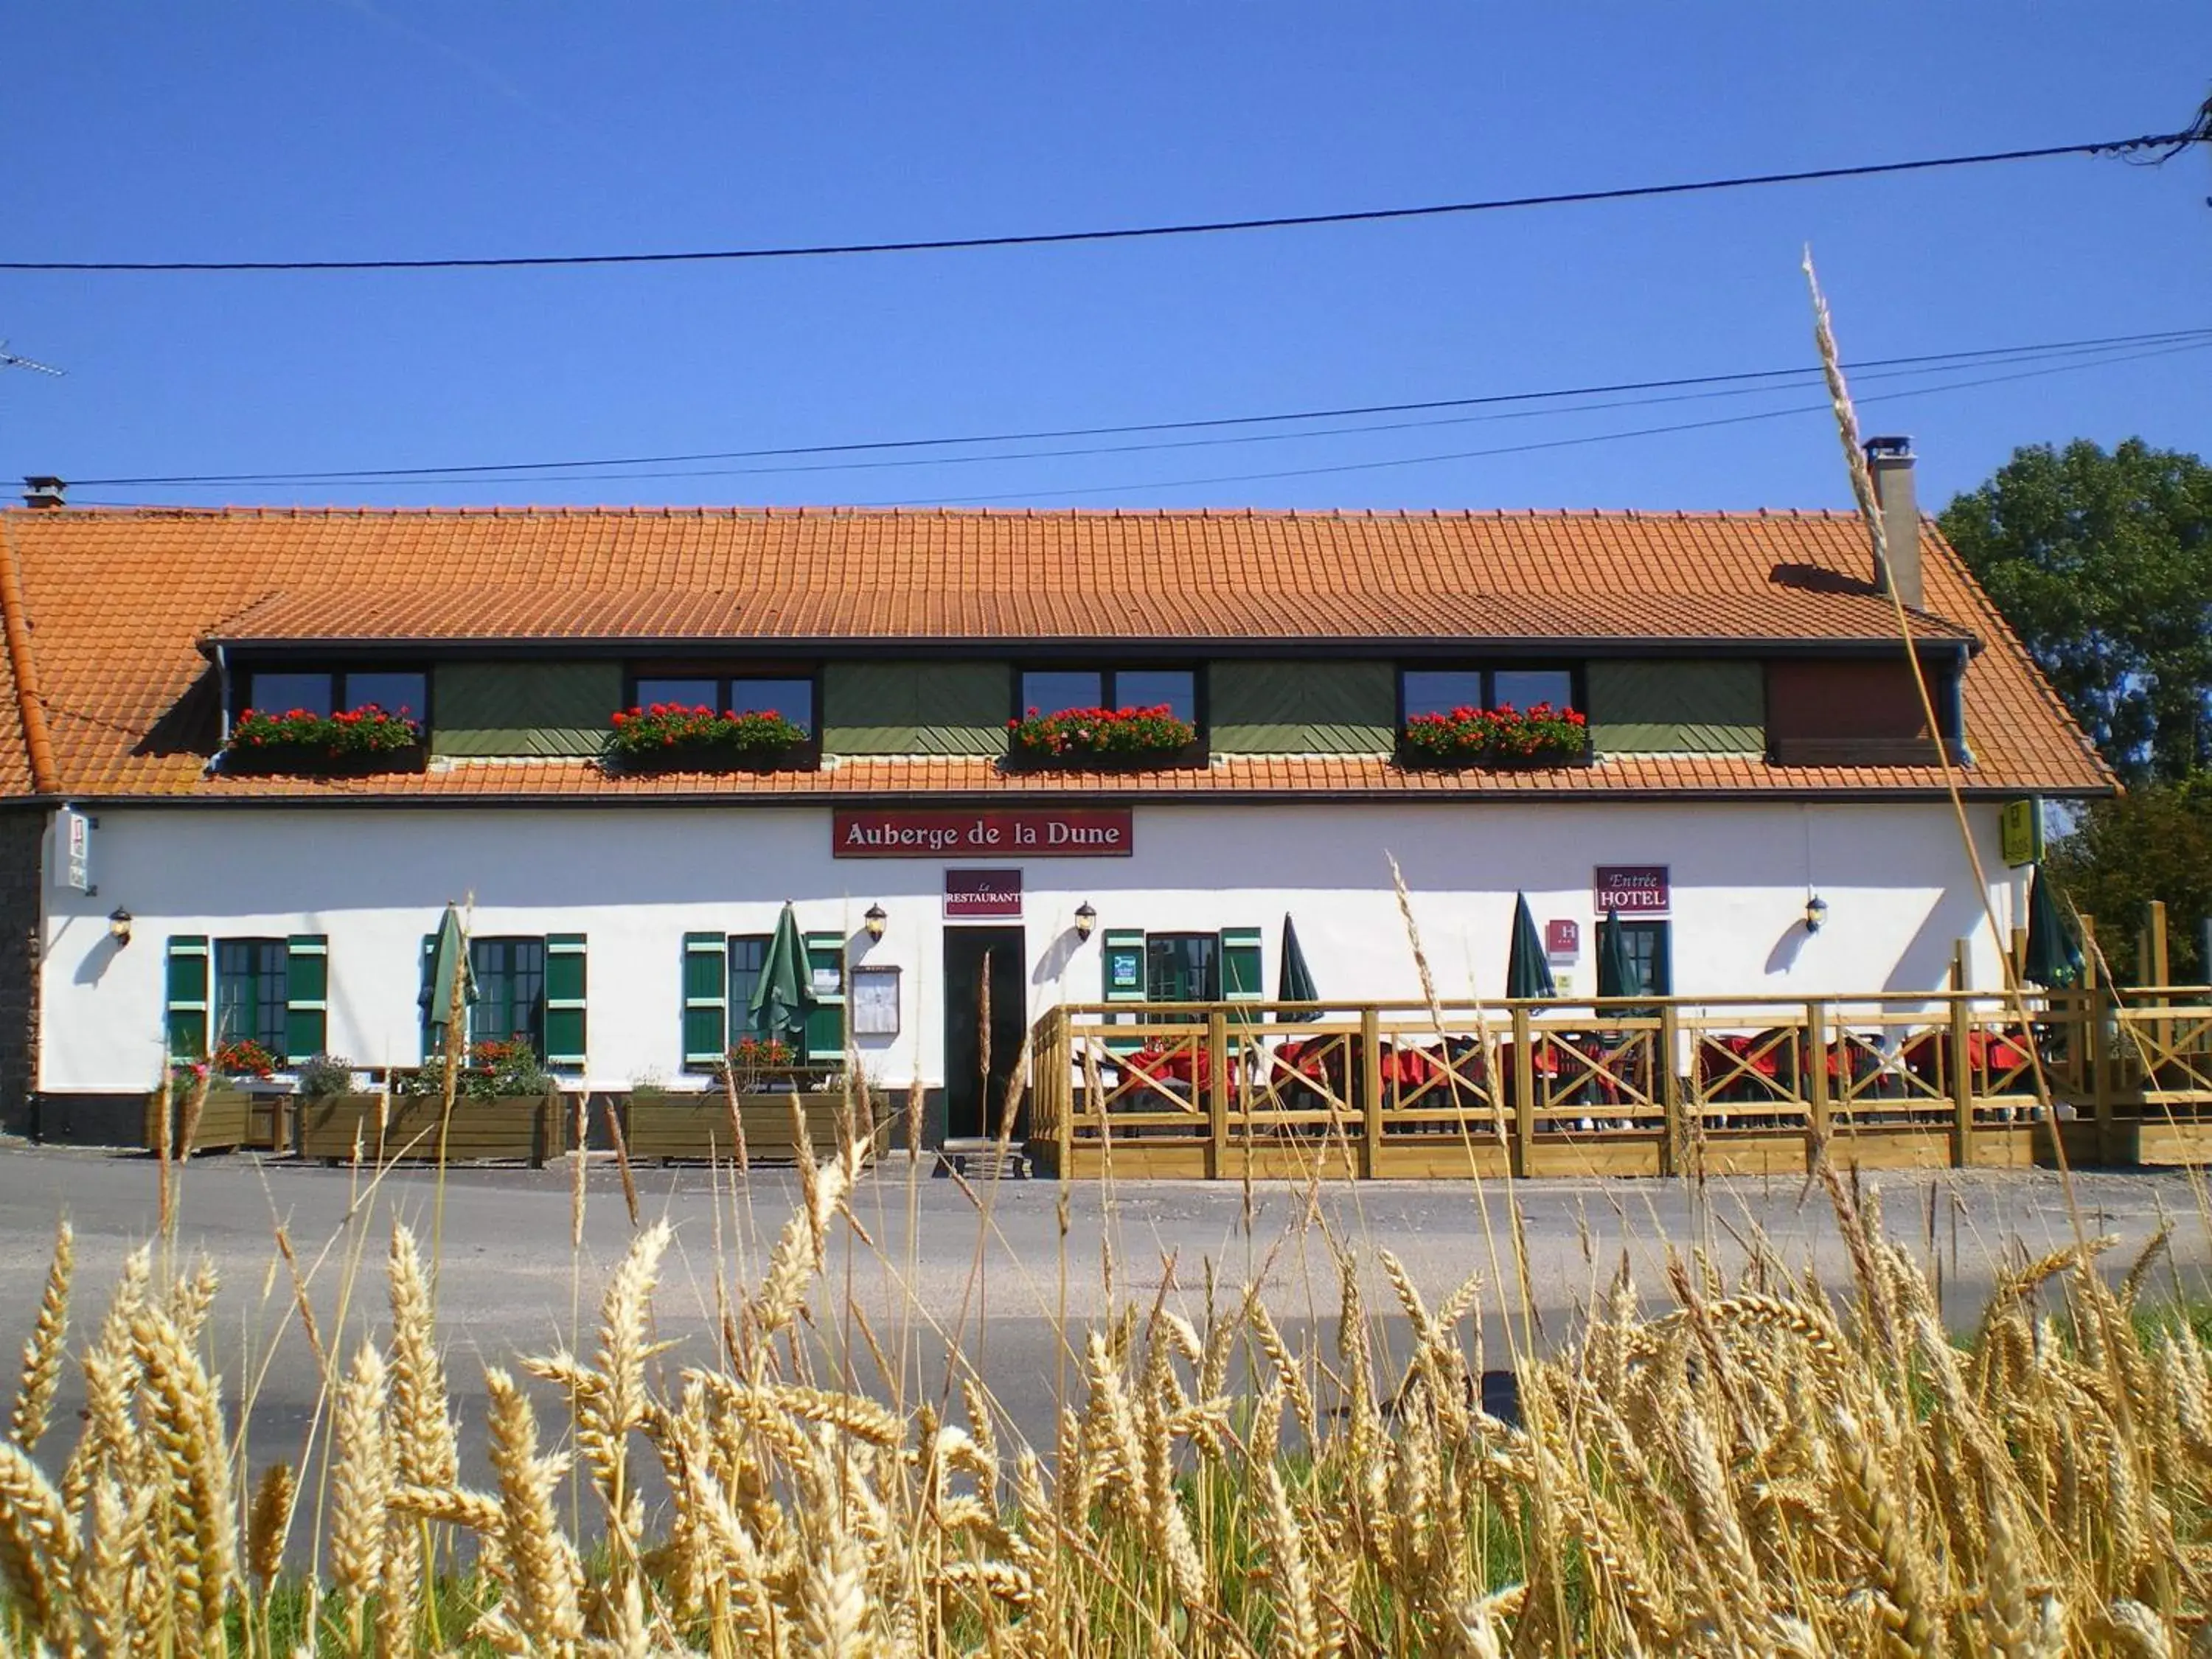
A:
{"x": 1761, "y": 1466}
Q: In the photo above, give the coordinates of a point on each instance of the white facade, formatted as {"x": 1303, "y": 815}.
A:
{"x": 635, "y": 880}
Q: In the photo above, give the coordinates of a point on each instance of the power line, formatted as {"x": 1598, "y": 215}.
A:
{"x": 1513, "y": 449}
{"x": 578, "y": 470}
{"x": 2173, "y": 143}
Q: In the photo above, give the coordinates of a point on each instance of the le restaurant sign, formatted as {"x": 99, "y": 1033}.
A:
{"x": 1066, "y": 832}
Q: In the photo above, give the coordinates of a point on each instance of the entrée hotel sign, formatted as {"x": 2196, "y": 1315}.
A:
{"x": 1631, "y": 888}
{"x": 1072, "y": 832}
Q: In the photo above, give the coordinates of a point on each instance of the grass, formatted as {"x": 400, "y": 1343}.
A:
{"x": 1765, "y": 1464}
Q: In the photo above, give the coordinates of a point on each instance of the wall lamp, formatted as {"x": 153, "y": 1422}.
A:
{"x": 118, "y": 925}
{"x": 1085, "y": 920}
{"x": 1816, "y": 912}
{"x": 874, "y": 920}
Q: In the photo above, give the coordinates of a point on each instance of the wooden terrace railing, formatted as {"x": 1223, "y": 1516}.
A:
{"x": 1627, "y": 1086}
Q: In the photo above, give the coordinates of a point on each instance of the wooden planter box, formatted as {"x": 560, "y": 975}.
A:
{"x": 225, "y": 1122}
{"x": 307, "y": 760}
{"x": 268, "y": 1120}
{"x": 508, "y": 1128}
{"x": 694, "y": 1129}
{"x": 711, "y": 758}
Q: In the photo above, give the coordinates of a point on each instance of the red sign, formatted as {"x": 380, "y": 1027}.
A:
{"x": 1632, "y": 889}
{"x": 1045, "y": 832}
{"x": 1563, "y": 937}
{"x": 973, "y": 894}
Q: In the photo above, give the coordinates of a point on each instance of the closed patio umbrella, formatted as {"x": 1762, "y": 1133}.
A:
{"x": 785, "y": 996}
{"x": 2054, "y": 956}
{"x": 1295, "y": 982}
{"x": 1527, "y": 973}
{"x": 446, "y": 972}
{"x": 1616, "y": 968}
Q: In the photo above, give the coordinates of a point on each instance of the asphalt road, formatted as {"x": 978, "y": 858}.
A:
{"x": 932, "y": 1278}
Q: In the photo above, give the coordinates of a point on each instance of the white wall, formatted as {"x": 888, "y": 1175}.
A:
{"x": 635, "y": 880}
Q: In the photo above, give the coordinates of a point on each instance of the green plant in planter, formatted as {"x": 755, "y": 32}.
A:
{"x": 367, "y": 730}
{"x": 323, "y": 1076}
{"x": 673, "y": 735}
{"x": 242, "y": 1057}
{"x": 1505, "y": 736}
{"x": 493, "y": 1067}
{"x": 1074, "y": 733}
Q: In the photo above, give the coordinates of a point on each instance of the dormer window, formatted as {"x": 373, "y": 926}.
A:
{"x": 1050, "y": 691}
{"x": 395, "y": 690}
{"x": 789, "y": 696}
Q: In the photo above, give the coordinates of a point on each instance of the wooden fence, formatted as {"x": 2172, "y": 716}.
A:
{"x": 1632, "y": 1086}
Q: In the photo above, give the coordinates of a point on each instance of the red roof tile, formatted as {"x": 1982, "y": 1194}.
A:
{"x": 119, "y": 601}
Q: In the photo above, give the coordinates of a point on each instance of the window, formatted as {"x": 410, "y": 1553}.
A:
{"x": 395, "y": 690}
{"x": 510, "y": 982}
{"x": 1049, "y": 690}
{"x": 1649, "y": 954}
{"x": 1182, "y": 967}
{"x": 1440, "y": 691}
{"x": 791, "y": 695}
{"x": 532, "y": 987}
{"x": 274, "y": 992}
{"x": 748, "y": 956}
{"x": 721, "y": 972}
{"x": 249, "y": 991}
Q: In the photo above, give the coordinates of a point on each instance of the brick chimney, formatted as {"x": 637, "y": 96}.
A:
{"x": 43, "y": 493}
{"x": 1890, "y": 462}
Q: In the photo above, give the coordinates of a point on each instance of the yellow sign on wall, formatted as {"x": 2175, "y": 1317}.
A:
{"x": 2021, "y": 831}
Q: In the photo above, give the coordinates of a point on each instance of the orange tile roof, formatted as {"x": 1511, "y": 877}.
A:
{"x": 119, "y": 601}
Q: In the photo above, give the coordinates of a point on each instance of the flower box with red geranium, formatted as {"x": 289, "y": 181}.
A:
{"x": 352, "y": 743}
{"x": 1504, "y": 737}
{"x": 1102, "y": 738}
{"x": 668, "y": 737}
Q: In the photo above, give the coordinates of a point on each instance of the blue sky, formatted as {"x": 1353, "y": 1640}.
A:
{"x": 372, "y": 128}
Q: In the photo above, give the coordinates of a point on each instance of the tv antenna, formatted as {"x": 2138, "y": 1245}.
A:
{"x": 9, "y": 360}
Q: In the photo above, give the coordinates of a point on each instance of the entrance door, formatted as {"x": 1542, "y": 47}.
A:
{"x": 986, "y": 1017}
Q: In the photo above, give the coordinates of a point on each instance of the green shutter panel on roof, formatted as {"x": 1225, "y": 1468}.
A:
{"x": 186, "y": 996}
{"x": 914, "y": 708}
{"x": 1242, "y": 973}
{"x": 706, "y": 998}
{"x": 1677, "y": 708}
{"x": 1282, "y": 707}
{"x": 564, "y": 1001}
{"x": 307, "y": 996}
{"x": 523, "y": 708}
{"x": 825, "y": 1026}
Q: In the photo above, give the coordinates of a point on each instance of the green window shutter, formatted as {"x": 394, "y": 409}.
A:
{"x": 1123, "y": 962}
{"x": 307, "y": 995}
{"x": 706, "y": 999}
{"x": 1241, "y": 969}
{"x": 564, "y": 1001}
{"x": 187, "y": 997}
{"x": 825, "y": 1026}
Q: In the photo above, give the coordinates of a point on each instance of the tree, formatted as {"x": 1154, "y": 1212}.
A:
{"x": 2154, "y": 842}
{"x": 2103, "y": 563}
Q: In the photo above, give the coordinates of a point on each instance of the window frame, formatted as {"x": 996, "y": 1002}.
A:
{"x": 1200, "y": 748}
{"x": 1489, "y": 668}
{"x": 250, "y": 671}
